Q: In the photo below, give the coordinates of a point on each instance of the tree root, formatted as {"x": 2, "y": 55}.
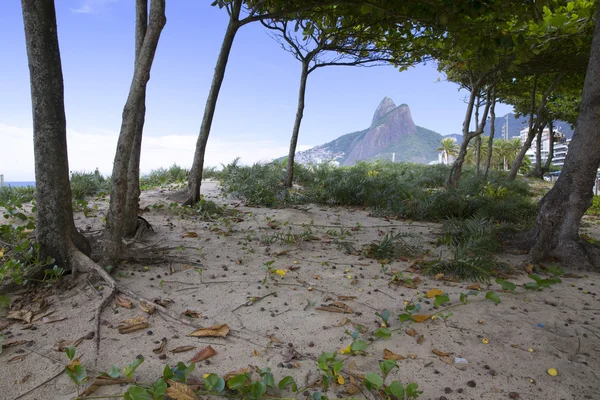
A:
{"x": 575, "y": 254}
{"x": 97, "y": 315}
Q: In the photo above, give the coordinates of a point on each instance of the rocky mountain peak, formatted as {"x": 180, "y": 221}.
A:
{"x": 384, "y": 107}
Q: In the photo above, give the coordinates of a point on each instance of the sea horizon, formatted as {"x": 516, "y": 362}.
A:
{"x": 20, "y": 183}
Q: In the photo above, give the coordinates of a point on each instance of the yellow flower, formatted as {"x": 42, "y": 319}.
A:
{"x": 205, "y": 376}
{"x": 346, "y": 350}
{"x": 280, "y": 272}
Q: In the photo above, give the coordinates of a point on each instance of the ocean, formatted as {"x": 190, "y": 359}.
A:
{"x": 22, "y": 184}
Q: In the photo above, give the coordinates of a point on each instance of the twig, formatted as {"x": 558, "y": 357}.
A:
{"x": 97, "y": 315}
{"x": 207, "y": 283}
{"x": 40, "y": 385}
{"x": 252, "y": 301}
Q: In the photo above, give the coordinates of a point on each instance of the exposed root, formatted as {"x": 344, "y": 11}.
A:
{"x": 574, "y": 254}
{"x": 97, "y": 315}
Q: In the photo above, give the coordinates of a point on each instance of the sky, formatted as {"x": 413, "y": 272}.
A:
{"x": 256, "y": 106}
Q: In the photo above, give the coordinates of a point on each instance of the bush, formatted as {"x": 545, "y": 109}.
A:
{"x": 162, "y": 177}
{"x": 17, "y": 194}
{"x": 86, "y": 184}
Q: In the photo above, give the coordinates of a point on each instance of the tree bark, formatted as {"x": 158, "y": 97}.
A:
{"x": 289, "y": 178}
{"x": 556, "y": 229}
{"x": 538, "y": 171}
{"x": 115, "y": 220}
{"x": 533, "y": 127}
{"x": 133, "y": 172}
{"x": 548, "y": 164}
{"x": 478, "y": 138}
{"x": 195, "y": 179}
{"x": 55, "y": 229}
{"x": 490, "y": 146}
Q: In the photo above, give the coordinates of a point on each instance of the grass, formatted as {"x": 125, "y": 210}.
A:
{"x": 164, "y": 176}
{"x": 87, "y": 184}
{"x": 17, "y": 194}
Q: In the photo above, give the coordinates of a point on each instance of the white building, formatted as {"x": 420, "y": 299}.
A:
{"x": 561, "y": 146}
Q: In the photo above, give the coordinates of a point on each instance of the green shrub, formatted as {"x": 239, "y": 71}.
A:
{"x": 86, "y": 184}
{"x": 17, "y": 194}
{"x": 162, "y": 177}
{"x": 595, "y": 207}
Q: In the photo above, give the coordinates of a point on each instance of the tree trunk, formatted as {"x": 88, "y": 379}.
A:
{"x": 133, "y": 172}
{"x": 557, "y": 225}
{"x": 478, "y": 138}
{"x": 55, "y": 229}
{"x": 115, "y": 220}
{"x": 548, "y": 164}
{"x": 538, "y": 171}
{"x": 490, "y": 146}
{"x": 195, "y": 179}
{"x": 533, "y": 127}
{"x": 289, "y": 178}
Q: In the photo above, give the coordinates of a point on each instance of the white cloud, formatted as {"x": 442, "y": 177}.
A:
{"x": 91, "y": 6}
{"x": 88, "y": 151}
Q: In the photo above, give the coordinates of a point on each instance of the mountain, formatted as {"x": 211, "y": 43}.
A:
{"x": 392, "y": 134}
{"x": 457, "y": 136}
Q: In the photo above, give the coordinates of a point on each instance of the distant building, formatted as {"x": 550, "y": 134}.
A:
{"x": 561, "y": 146}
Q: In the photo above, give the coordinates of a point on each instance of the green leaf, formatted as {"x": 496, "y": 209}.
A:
{"x": 4, "y": 301}
{"x": 386, "y": 366}
{"x": 167, "y": 373}
{"x": 405, "y": 317}
{"x": 257, "y": 390}
{"x": 441, "y": 299}
{"x": 130, "y": 368}
{"x": 78, "y": 374}
{"x": 374, "y": 380}
{"x": 214, "y": 383}
{"x": 385, "y": 315}
{"x": 288, "y": 381}
{"x": 138, "y": 393}
{"x": 463, "y": 298}
{"x": 412, "y": 390}
{"x": 493, "y": 296}
{"x": 337, "y": 367}
{"x": 395, "y": 389}
{"x": 158, "y": 389}
{"x": 114, "y": 372}
{"x": 531, "y": 286}
{"x": 238, "y": 382}
{"x": 268, "y": 380}
{"x": 70, "y": 352}
{"x": 508, "y": 286}
{"x": 381, "y": 333}
{"x": 358, "y": 345}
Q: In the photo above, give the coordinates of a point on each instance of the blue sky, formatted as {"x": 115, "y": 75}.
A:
{"x": 256, "y": 106}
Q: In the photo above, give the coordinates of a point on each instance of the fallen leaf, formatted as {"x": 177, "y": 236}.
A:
{"x": 281, "y": 253}
{"x": 16, "y": 358}
{"x": 434, "y": 292}
{"x": 3, "y": 324}
{"x": 22, "y": 315}
{"x": 353, "y": 387}
{"x": 389, "y": 355}
{"x": 12, "y": 343}
{"x": 420, "y": 339}
{"x": 241, "y": 371}
{"x": 204, "y": 354}
{"x": 189, "y": 235}
{"x": 180, "y": 391}
{"x": 420, "y": 318}
{"x": 147, "y": 307}
{"x": 447, "y": 360}
{"x": 529, "y": 268}
{"x": 273, "y": 225}
{"x": 47, "y": 320}
{"x": 63, "y": 344}
{"x": 475, "y": 286}
{"x": 162, "y": 302}
{"x": 280, "y": 272}
{"x": 255, "y": 353}
{"x": 274, "y": 339}
{"x": 344, "y": 322}
{"x": 160, "y": 347}
{"x": 345, "y": 298}
{"x": 192, "y": 314}
{"x": 123, "y": 302}
{"x": 336, "y": 307}
{"x": 102, "y": 380}
{"x": 133, "y": 324}
{"x": 340, "y": 379}
{"x": 212, "y": 331}
{"x": 439, "y": 276}
{"x": 182, "y": 349}
{"x": 38, "y": 317}
{"x": 317, "y": 277}
{"x": 411, "y": 332}
{"x": 440, "y": 353}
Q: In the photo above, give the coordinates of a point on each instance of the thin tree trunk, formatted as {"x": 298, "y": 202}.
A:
{"x": 533, "y": 127}
{"x": 556, "y": 230}
{"x": 133, "y": 172}
{"x": 289, "y": 178}
{"x": 490, "y": 146}
{"x": 55, "y": 229}
{"x": 195, "y": 179}
{"x": 478, "y": 138}
{"x": 115, "y": 220}
{"x": 538, "y": 172}
{"x": 548, "y": 164}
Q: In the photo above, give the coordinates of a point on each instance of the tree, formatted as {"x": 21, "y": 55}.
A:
{"x": 56, "y": 234}
{"x": 448, "y": 148}
{"x": 115, "y": 219}
{"x": 490, "y": 145}
{"x": 556, "y": 232}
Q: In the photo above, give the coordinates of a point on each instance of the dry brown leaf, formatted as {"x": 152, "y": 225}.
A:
{"x": 411, "y": 332}
{"x": 440, "y": 353}
{"x": 241, "y": 371}
{"x": 345, "y": 298}
{"x": 420, "y": 339}
{"x": 255, "y": 353}
{"x": 211, "y": 331}
{"x": 38, "y": 317}
{"x": 389, "y": 355}
{"x": 529, "y": 268}
{"x": 317, "y": 277}
{"x": 101, "y": 380}
{"x": 180, "y": 391}
{"x": 3, "y": 324}
{"x": 420, "y": 318}
{"x": 281, "y": 253}
{"x": 344, "y": 322}
{"x": 204, "y": 354}
{"x": 447, "y": 360}
{"x": 123, "y": 301}
{"x": 160, "y": 347}
{"x": 439, "y": 276}
{"x": 189, "y": 235}
{"x": 434, "y": 292}
{"x": 147, "y": 307}
{"x": 475, "y": 286}
{"x": 336, "y": 307}
{"x": 192, "y": 314}
{"x": 16, "y": 358}
{"x": 274, "y": 339}
{"x": 162, "y": 302}
{"x": 12, "y": 343}
{"x": 353, "y": 387}
{"x": 133, "y": 324}
{"x": 182, "y": 349}
{"x": 47, "y": 320}
{"x": 22, "y": 315}
{"x": 273, "y": 225}
{"x": 63, "y": 344}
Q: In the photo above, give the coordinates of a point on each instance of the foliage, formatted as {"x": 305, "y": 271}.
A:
{"x": 17, "y": 194}
{"x": 595, "y": 207}
{"x": 163, "y": 177}
{"x": 86, "y": 184}
{"x": 392, "y": 246}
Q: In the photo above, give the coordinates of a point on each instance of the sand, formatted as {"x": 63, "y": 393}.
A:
{"x": 508, "y": 347}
